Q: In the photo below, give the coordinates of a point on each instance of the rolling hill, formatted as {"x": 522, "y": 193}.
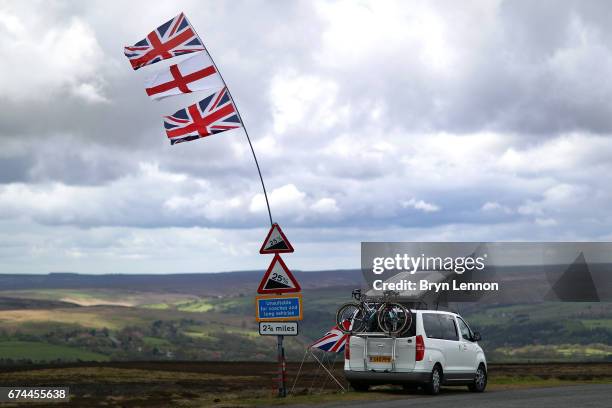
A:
{"x": 72, "y": 317}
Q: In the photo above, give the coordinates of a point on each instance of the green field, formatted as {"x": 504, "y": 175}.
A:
{"x": 197, "y": 306}
{"x": 95, "y": 297}
{"x": 156, "y": 306}
{"x": 155, "y": 341}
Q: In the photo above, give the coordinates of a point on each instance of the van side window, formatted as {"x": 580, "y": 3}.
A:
{"x": 431, "y": 324}
{"x": 466, "y": 333}
{"x": 449, "y": 328}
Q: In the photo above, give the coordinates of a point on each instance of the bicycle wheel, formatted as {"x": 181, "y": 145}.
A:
{"x": 351, "y": 318}
{"x": 393, "y": 318}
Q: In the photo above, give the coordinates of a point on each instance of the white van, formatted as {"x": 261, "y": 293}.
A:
{"x": 438, "y": 349}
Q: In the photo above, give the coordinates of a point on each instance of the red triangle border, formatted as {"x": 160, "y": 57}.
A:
{"x": 276, "y": 251}
{"x": 262, "y": 284}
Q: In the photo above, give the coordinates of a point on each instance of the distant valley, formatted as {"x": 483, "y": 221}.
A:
{"x": 72, "y": 317}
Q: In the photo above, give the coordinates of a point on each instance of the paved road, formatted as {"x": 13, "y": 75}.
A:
{"x": 584, "y": 396}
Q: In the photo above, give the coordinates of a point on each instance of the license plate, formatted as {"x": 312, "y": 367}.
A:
{"x": 380, "y": 359}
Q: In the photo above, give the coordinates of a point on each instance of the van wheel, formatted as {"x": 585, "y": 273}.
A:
{"x": 359, "y": 387}
{"x": 435, "y": 381}
{"x": 480, "y": 380}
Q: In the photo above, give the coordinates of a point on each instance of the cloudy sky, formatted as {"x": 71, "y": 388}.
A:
{"x": 372, "y": 121}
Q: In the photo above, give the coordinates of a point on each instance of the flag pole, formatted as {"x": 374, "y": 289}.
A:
{"x": 241, "y": 121}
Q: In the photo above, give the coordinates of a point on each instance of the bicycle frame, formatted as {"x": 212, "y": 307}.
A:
{"x": 369, "y": 312}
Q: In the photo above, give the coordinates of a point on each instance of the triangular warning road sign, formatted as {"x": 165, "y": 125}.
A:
{"x": 278, "y": 278}
{"x": 275, "y": 242}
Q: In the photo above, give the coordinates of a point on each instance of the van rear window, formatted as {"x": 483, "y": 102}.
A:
{"x": 409, "y": 332}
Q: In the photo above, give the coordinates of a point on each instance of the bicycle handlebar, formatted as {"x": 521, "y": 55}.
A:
{"x": 358, "y": 296}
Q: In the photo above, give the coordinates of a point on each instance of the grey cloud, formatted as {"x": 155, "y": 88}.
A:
{"x": 538, "y": 69}
{"x": 14, "y": 168}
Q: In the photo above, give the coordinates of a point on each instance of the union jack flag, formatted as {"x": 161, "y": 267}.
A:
{"x": 213, "y": 114}
{"x": 173, "y": 38}
{"x": 334, "y": 340}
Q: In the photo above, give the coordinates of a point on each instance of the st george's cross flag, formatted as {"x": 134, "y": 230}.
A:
{"x": 173, "y": 38}
{"x": 196, "y": 73}
{"x": 213, "y": 114}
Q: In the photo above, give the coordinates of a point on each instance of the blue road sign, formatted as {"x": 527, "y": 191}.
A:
{"x": 271, "y": 308}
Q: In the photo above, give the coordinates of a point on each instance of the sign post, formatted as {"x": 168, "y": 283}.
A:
{"x": 279, "y": 305}
{"x": 282, "y": 368}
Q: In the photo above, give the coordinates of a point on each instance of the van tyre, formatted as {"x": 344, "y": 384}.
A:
{"x": 480, "y": 380}
{"x": 359, "y": 387}
{"x": 435, "y": 381}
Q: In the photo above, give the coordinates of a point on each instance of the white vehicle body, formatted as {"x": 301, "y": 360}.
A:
{"x": 435, "y": 339}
